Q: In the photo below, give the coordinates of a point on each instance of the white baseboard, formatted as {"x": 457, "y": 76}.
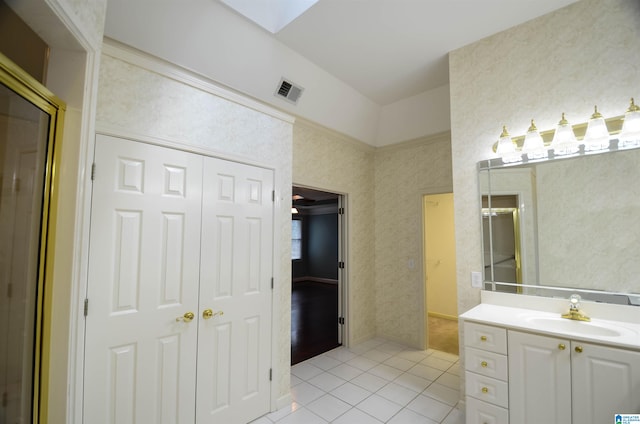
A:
{"x": 283, "y": 401}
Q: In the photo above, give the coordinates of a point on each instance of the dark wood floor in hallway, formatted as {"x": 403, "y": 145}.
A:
{"x": 314, "y": 319}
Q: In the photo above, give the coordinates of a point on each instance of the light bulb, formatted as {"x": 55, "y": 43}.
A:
{"x": 597, "y": 135}
{"x": 630, "y": 134}
{"x": 506, "y": 148}
{"x": 564, "y": 140}
{"x": 533, "y": 144}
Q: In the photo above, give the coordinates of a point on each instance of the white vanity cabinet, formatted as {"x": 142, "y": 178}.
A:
{"x": 558, "y": 380}
{"x": 486, "y": 375}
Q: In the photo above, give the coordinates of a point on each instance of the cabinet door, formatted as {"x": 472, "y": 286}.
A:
{"x": 606, "y": 381}
{"x": 539, "y": 379}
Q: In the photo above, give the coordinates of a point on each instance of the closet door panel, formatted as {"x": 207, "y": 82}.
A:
{"x": 140, "y": 362}
{"x": 236, "y": 271}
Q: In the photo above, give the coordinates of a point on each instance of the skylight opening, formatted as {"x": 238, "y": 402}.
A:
{"x": 272, "y": 15}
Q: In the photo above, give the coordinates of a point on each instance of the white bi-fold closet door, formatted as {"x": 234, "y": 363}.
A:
{"x": 178, "y": 324}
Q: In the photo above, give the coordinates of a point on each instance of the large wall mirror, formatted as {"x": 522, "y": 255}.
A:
{"x": 563, "y": 225}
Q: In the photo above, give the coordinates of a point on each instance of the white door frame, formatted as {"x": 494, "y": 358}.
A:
{"x": 343, "y": 256}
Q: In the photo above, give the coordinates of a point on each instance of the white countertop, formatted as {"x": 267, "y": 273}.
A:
{"x": 602, "y": 331}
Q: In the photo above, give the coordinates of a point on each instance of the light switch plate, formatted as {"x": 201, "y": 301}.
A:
{"x": 476, "y": 280}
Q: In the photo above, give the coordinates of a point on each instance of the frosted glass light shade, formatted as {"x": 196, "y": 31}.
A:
{"x": 597, "y": 135}
{"x": 533, "y": 144}
{"x": 506, "y": 148}
{"x": 630, "y": 134}
{"x": 564, "y": 139}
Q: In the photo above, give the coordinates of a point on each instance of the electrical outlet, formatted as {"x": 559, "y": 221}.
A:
{"x": 476, "y": 280}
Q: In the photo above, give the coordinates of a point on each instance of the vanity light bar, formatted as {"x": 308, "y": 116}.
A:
{"x": 598, "y": 134}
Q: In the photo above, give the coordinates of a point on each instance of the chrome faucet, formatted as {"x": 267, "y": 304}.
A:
{"x": 574, "y": 309}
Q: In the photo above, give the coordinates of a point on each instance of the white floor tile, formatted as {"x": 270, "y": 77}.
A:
{"x": 426, "y": 372}
{"x": 324, "y": 362}
{"x": 302, "y": 416}
{"x": 346, "y": 371}
{"x": 400, "y": 363}
{"x": 392, "y": 348}
{"x": 385, "y": 371}
{"x": 283, "y": 412}
{"x": 430, "y": 408}
{"x": 397, "y": 393}
{"x": 454, "y": 369}
{"x": 326, "y": 381}
{"x": 362, "y": 363}
{"x": 456, "y": 416}
{"x": 443, "y": 394}
{"x": 379, "y": 407}
{"x": 294, "y": 380}
{"x": 355, "y": 416}
{"x": 377, "y": 355}
{"x": 351, "y": 393}
{"x": 328, "y": 407}
{"x": 446, "y": 356}
{"x": 449, "y": 380}
{"x": 369, "y": 382}
{"x": 435, "y": 362}
{"x": 407, "y": 416}
{"x": 262, "y": 420}
{"x": 413, "y": 382}
{"x": 341, "y": 354}
{"x": 413, "y": 355}
{"x": 304, "y": 393}
{"x": 305, "y": 370}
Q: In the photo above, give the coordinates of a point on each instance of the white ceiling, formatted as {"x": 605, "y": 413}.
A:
{"x": 389, "y": 50}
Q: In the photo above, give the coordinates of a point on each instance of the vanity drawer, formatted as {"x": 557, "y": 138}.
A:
{"x": 489, "y": 364}
{"x": 487, "y": 389}
{"x": 485, "y": 337}
{"x": 479, "y": 412}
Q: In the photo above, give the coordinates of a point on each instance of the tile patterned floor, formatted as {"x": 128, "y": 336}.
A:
{"x": 372, "y": 383}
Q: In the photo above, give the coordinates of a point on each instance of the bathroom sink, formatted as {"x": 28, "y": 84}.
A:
{"x": 576, "y": 327}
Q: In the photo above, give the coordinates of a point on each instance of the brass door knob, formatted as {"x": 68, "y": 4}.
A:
{"x": 579, "y": 349}
{"x": 561, "y": 346}
{"x": 484, "y": 364}
{"x": 483, "y": 338}
{"x": 208, "y": 313}
{"x": 485, "y": 390}
{"x": 187, "y": 317}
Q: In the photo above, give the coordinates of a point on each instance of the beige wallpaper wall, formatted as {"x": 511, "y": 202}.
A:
{"x": 140, "y": 103}
{"x": 403, "y": 174}
{"x": 566, "y": 61}
{"x": 328, "y": 161}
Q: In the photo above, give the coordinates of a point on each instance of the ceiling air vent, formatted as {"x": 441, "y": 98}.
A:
{"x": 289, "y": 91}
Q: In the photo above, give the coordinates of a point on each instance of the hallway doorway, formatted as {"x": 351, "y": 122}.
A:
{"x": 317, "y": 272}
{"x": 440, "y": 272}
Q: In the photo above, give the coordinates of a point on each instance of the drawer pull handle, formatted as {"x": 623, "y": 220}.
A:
{"x": 485, "y": 390}
{"x": 579, "y": 349}
{"x": 561, "y": 346}
{"x": 484, "y": 364}
{"x": 483, "y": 338}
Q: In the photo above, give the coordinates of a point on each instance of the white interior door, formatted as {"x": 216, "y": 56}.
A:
{"x": 140, "y": 363}
{"x": 234, "y": 349}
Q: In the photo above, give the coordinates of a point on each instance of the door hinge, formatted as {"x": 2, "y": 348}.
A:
{"x": 340, "y": 211}
{"x": 93, "y": 171}
{"x": 86, "y": 307}
{"x": 271, "y": 283}
{"x": 270, "y": 374}
{"x": 341, "y": 265}
{"x": 273, "y": 195}
{"x": 5, "y": 400}
{"x": 9, "y": 290}
{"x": 341, "y": 320}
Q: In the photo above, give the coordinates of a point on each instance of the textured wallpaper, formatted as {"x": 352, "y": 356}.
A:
{"x": 331, "y": 162}
{"x": 137, "y": 101}
{"x": 403, "y": 174}
{"x": 566, "y": 61}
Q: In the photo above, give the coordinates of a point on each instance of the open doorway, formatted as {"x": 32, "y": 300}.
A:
{"x": 317, "y": 268}
{"x": 440, "y": 272}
